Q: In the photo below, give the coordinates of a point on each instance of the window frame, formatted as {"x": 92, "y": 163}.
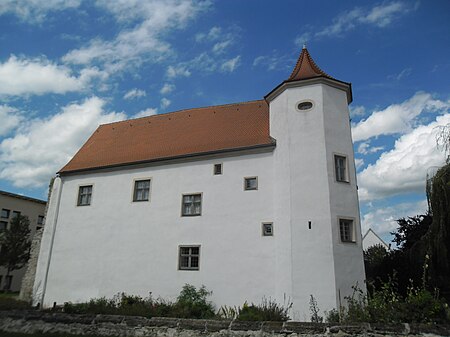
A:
{"x": 263, "y": 229}
{"x": 135, "y": 182}
{"x": 79, "y": 204}
{"x": 250, "y": 178}
{"x": 189, "y": 255}
{"x": 6, "y": 225}
{"x": 215, "y": 170}
{"x": 337, "y": 173}
{"x": 193, "y": 195}
{"x": 15, "y": 214}
{"x": 351, "y": 230}
{"x": 8, "y": 212}
{"x": 303, "y": 102}
{"x": 40, "y": 220}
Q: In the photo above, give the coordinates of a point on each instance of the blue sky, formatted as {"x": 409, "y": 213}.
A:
{"x": 68, "y": 66}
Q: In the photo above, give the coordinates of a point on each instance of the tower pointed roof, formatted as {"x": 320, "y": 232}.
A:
{"x": 307, "y": 72}
{"x": 306, "y": 68}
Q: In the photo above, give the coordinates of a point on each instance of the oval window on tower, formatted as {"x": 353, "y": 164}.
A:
{"x": 304, "y": 106}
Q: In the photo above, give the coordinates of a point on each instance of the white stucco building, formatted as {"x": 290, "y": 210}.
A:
{"x": 255, "y": 199}
{"x": 371, "y": 239}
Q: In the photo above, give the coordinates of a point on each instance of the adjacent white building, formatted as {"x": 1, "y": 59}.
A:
{"x": 255, "y": 199}
{"x": 371, "y": 239}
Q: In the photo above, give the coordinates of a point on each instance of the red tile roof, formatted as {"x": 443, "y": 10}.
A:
{"x": 177, "y": 134}
{"x": 306, "y": 68}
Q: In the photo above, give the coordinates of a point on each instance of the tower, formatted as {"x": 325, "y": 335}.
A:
{"x": 316, "y": 208}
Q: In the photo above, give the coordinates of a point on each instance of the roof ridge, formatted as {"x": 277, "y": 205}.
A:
{"x": 184, "y": 110}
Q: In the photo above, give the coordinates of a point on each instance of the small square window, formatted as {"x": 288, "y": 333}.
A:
{"x": 141, "y": 190}
{"x": 40, "y": 220}
{"x": 189, "y": 258}
{"x": 85, "y": 195}
{"x": 217, "y": 169}
{"x": 5, "y": 213}
{"x": 267, "y": 229}
{"x": 250, "y": 183}
{"x": 192, "y": 205}
{"x": 3, "y": 225}
{"x": 346, "y": 230}
{"x": 340, "y": 166}
{"x": 15, "y": 214}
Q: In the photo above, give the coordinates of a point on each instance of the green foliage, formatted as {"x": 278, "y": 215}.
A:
{"x": 15, "y": 244}
{"x": 11, "y": 303}
{"x": 314, "y": 310}
{"x": 268, "y": 310}
{"x": 191, "y": 303}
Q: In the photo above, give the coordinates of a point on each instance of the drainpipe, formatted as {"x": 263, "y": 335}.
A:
{"x": 55, "y": 221}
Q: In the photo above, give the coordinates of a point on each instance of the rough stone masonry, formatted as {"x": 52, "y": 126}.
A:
{"x": 130, "y": 326}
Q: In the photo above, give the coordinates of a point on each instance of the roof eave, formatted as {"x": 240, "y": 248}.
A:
{"x": 268, "y": 146}
{"x": 345, "y": 86}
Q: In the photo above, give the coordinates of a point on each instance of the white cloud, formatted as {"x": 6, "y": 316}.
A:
{"x": 404, "y": 73}
{"x": 358, "y": 110}
{"x": 177, "y": 71}
{"x": 275, "y": 61}
{"x": 146, "y": 112}
{"x": 220, "y": 47}
{"x": 378, "y": 16}
{"x": 231, "y": 64}
{"x": 42, "y": 146}
{"x": 10, "y": 119}
{"x": 365, "y": 148}
{"x": 213, "y": 34}
{"x": 167, "y": 88}
{"x": 35, "y": 11}
{"x": 19, "y": 76}
{"x": 141, "y": 39}
{"x": 134, "y": 93}
{"x": 383, "y": 220}
{"x": 165, "y": 103}
{"x": 397, "y": 118}
{"x": 359, "y": 163}
{"x": 403, "y": 169}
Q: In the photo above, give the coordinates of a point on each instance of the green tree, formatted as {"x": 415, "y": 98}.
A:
{"x": 15, "y": 244}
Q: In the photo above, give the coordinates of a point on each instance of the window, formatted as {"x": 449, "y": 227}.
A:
{"x": 141, "y": 190}
{"x": 40, "y": 220}
{"x": 3, "y": 225}
{"x": 85, "y": 195}
{"x": 340, "y": 165}
{"x": 217, "y": 169}
{"x": 250, "y": 183}
{"x": 5, "y": 213}
{"x": 189, "y": 258}
{"x": 306, "y": 105}
{"x": 8, "y": 282}
{"x": 346, "y": 230}
{"x": 192, "y": 205}
{"x": 15, "y": 214}
{"x": 267, "y": 229}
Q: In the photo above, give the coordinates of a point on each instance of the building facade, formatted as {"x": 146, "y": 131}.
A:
{"x": 255, "y": 199}
{"x": 371, "y": 239}
{"x": 12, "y": 205}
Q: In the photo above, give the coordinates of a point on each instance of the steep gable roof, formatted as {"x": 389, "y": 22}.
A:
{"x": 173, "y": 135}
{"x": 306, "y": 68}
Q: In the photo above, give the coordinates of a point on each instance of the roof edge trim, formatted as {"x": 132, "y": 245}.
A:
{"x": 270, "y": 145}
{"x": 345, "y": 86}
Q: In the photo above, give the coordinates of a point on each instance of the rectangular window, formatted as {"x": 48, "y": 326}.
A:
{"x": 3, "y": 225}
{"x": 189, "y": 258}
{"x": 346, "y": 230}
{"x": 15, "y": 214}
{"x": 340, "y": 166}
{"x": 192, "y": 204}
{"x": 267, "y": 229}
{"x": 141, "y": 190}
{"x": 5, "y": 213}
{"x": 217, "y": 169}
{"x": 250, "y": 183}
{"x": 8, "y": 282}
{"x": 85, "y": 195}
{"x": 40, "y": 220}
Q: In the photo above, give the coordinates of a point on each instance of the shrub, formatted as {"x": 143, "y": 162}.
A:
{"x": 268, "y": 310}
{"x": 192, "y": 303}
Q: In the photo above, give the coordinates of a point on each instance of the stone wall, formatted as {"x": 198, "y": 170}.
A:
{"x": 130, "y": 326}
{"x": 26, "y": 289}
